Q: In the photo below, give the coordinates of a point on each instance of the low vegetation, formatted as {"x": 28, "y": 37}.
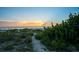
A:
{"x": 16, "y": 40}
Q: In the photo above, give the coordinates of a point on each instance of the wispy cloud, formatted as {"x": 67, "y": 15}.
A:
{"x": 23, "y": 23}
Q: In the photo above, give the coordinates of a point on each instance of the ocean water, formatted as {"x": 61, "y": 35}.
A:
{"x": 9, "y": 28}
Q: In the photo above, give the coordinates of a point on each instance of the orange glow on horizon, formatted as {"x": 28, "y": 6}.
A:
{"x": 24, "y": 23}
{"x": 30, "y": 23}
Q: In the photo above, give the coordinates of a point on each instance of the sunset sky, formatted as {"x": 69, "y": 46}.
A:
{"x": 33, "y": 16}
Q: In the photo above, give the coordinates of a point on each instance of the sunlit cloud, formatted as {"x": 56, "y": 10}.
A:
{"x": 21, "y": 23}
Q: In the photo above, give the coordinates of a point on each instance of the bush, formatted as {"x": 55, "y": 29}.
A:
{"x": 58, "y": 44}
{"x": 58, "y": 36}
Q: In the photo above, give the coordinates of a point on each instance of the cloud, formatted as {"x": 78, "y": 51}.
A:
{"x": 20, "y": 23}
{"x": 23, "y": 23}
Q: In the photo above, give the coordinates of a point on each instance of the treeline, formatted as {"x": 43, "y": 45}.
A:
{"x": 62, "y": 37}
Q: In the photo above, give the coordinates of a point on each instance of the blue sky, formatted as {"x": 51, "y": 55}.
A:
{"x": 55, "y": 14}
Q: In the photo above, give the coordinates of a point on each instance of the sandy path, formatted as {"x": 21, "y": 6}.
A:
{"x": 37, "y": 45}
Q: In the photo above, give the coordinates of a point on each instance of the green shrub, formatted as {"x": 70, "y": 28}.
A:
{"x": 58, "y": 44}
